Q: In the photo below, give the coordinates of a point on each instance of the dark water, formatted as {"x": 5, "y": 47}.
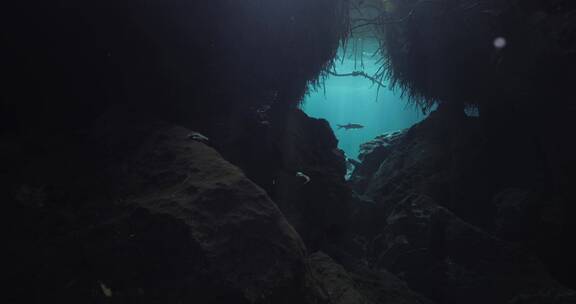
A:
{"x": 355, "y": 100}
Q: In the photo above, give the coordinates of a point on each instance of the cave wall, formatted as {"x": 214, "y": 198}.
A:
{"x": 444, "y": 52}
{"x": 101, "y": 169}
{"x": 211, "y": 66}
{"x": 185, "y": 60}
{"x": 462, "y": 217}
{"x": 100, "y": 161}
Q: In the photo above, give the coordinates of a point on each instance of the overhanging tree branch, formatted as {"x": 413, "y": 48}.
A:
{"x": 358, "y": 73}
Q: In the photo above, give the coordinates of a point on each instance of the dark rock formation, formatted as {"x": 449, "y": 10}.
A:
{"x": 546, "y": 297}
{"x": 440, "y": 157}
{"x": 274, "y": 153}
{"x": 489, "y": 53}
{"x": 443, "y": 257}
{"x": 112, "y": 194}
{"x": 100, "y": 197}
{"x": 369, "y": 287}
{"x": 174, "y": 223}
{"x": 320, "y": 208}
{"x": 371, "y": 155}
{"x": 333, "y": 281}
{"x": 450, "y": 54}
{"x": 526, "y": 216}
{"x": 441, "y": 212}
{"x": 198, "y": 62}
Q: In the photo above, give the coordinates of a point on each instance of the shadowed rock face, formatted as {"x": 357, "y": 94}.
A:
{"x": 371, "y": 155}
{"x": 339, "y": 286}
{"x": 276, "y": 153}
{"x": 197, "y": 62}
{"x": 441, "y": 208}
{"x": 100, "y": 194}
{"x": 240, "y": 231}
{"x": 439, "y": 157}
{"x": 320, "y": 208}
{"x": 171, "y": 221}
{"x": 334, "y": 281}
{"x": 107, "y": 203}
{"x": 175, "y": 222}
{"x": 446, "y": 258}
{"x": 486, "y": 53}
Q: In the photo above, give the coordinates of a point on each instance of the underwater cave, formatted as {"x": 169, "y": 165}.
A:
{"x": 289, "y": 151}
{"x": 343, "y": 100}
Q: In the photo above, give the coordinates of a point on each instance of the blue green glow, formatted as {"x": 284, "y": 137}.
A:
{"x": 353, "y": 100}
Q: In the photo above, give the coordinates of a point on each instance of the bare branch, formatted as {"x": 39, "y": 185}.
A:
{"x": 361, "y": 74}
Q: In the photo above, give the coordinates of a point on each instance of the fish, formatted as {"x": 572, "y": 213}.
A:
{"x": 351, "y": 126}
{"x": 303, "y": 176}
{"x": 105, "y": 290}
{"x": 198, "y": 137}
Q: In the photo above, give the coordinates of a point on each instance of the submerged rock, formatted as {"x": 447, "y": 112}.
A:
{"x": 333, "y": 281}
{"x": 239, "y": 230}
{"x": 381, "y": 286}
{"x": 546, "y": 297}
{"x": 439, "y": 207}
{"x": 338, "y": 286}
{"x": 320, "y": 208}
{"x": 448, "y": 259}
{"x": 379, "y": 144}
{"x": 371, "y": 155}
{"x": 297, "y": 161}
{"x": 178, "y": 224}
{"x": 439, "y": 157}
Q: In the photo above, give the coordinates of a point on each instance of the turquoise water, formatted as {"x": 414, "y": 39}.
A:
{"x": 353, "y": 100}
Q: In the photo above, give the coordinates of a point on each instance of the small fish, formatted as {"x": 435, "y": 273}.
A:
{"x": 105, "y": 290}
{"x": 304, "y": 176}
{"x": 350, "y": 126}
{"x": 197, "y": 137}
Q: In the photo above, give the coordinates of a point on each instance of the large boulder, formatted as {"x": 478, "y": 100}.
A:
{"x": 448, "y": 259}
{"x": 319, "y": 208}
{"x": 174, "y": 223}
{"x": 296, "y": 159}
{"x": 448, "y": 211}
{"x": 440, "y": 157}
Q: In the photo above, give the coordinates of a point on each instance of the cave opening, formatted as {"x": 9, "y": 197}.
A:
{"x": 342, "y": 100}
{"x": 357, "y": 88}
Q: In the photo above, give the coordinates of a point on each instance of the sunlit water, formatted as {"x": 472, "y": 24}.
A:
{"x": 353, "y": 100}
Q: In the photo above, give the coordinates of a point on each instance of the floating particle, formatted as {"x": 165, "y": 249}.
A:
{"x": 304, "y": 176}
{"x": 500, "y": 42}
{"x": 105, "y": 290}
